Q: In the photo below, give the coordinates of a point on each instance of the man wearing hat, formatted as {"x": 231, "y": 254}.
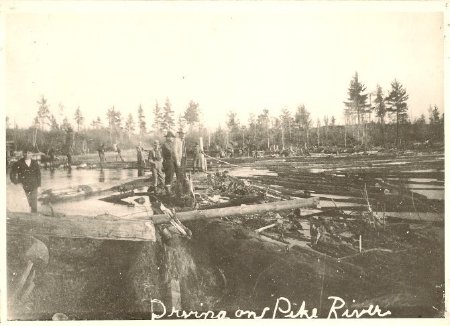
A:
{"x": 155, "y": 161}
{"x": 171, "y": 161}
{"x": 27, "y": 172}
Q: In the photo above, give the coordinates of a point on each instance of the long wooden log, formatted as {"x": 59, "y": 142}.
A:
{"x": 82, "y": 191}
{"x": 106, "y": 227}
{"x": 140, "y": 228}
{"x": 240, "y": 210}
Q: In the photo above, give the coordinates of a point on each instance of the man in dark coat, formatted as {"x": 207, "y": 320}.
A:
{"x": 27, "y": 172}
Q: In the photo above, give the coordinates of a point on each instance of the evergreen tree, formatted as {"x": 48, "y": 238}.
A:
{"x": 303, "y": 120}
{"x": 168, "y": 116}
{"x": 326, "y": 123}
{"x": 53, "y": 123}
{"x": 192, "y": 114}
{"x": 333, "y": 121}
{"x": 434, "y": 115}
{"x": 141, "y": 121}
{"x": 264, "y": 126}
{"x": 287, "y": 122}
{"x": 79, "y": 119}
{"x": 233, "y": 126}
{"x": 356, "y": 103}
{"x": 43, "y": 115}
{"x": 396, "y": 104}
{"x": 157, "y": 118}
{"x": 129, "y": 125}
{"x": 380, "y": 110}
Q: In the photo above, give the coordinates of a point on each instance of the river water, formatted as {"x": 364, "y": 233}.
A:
{"x": 63, "y": 178}
{"x": 59, "y": 179}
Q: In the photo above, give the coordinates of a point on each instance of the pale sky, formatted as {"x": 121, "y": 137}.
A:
{"x": 244, "y": 58}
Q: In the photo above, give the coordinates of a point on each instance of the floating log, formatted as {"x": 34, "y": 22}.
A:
{"x": 106, "y": 227}
{"x": 239, "y": 210}
{"x": 82, "y": 191}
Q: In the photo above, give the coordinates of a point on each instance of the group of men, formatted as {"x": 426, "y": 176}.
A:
{"x": 170, "y": 159}
{"x": 166, "y": 161}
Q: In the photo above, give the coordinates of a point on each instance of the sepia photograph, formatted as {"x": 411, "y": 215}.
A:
{"x": 223, "y": 160}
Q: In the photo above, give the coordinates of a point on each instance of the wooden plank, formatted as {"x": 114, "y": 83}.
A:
{"x": 106, "y": 227}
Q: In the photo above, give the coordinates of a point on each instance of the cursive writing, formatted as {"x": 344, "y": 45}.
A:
{"x": 283, "y": 308}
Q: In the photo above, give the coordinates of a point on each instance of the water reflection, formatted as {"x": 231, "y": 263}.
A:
{"x": 69, "y": 172}
{"x": 101, "y": 177}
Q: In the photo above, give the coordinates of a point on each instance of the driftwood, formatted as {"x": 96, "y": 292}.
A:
{"x": 106, "y": 227}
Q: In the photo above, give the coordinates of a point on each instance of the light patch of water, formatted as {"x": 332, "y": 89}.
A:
{"x": 251, "y": 172}
{"x": 324, "y": 203}
{"x": 391, "y": 163}
{"x": 432, "y": 194}
{"x": 422, "y": 171}
{"x": 332, "y": 196}
{"x": 423, "y": 180}
{"x": 317, "y": 170}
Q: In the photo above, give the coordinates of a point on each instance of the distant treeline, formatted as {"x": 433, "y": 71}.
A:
{"x": 415, "y": 135}
{"x": 370, "y": 119}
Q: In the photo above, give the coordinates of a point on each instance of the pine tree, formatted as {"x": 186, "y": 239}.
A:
{"x": 287, "y": 123}
{"x": 141, "y": 119}
{"x": 157, "y": 118}
{"x": 129, "y": 125}
{"x": 434, "y": 115}
{"x": 79, "y": 119}
{"x": 43, "y": 115}
{"x": 168, "y": 119}
{"x": 192, "y": 114}
{"x": 302, "y": 118}
{"x": 380, "y": 109}
{"x": 396, "y": 104}
{"x": 356, "y": 103}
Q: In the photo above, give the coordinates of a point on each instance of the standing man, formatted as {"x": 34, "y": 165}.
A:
{"x": 118, "y": 152}
{"x": 69, "y": 146}
{"x": 101, "y": 154}
{"x": 155, "y": 159}
{"x": 140, "y": 159}
{"x": 171, "y": 161}
{"x": 197, "y": 157}
{"x": 27, "y": 172}
{"x": 140, "y": 156}
{"x": 51, "y": 157}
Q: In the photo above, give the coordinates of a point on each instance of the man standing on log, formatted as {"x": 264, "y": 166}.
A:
{"x": 155, "y": 161}
{"x": 27, "y": 172}
{"x": 171, "y": 160}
